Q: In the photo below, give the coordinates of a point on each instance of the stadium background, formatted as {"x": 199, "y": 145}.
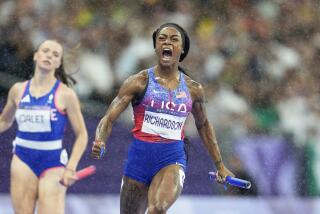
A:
{"x": 259, "y": 61}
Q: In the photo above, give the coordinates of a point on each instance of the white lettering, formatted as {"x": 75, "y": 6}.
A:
{"x": 33, "y": 120}
{"x": 170, "y": 106}
{"x": 162, "y": 104}
{"x": 182, "y": 107}
{"x": 165, "y": 125}
{"x": 53, "y": 114}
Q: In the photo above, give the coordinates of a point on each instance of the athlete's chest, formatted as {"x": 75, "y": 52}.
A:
{"x": 36, "y": 114}
{"x": 174, "y": 102}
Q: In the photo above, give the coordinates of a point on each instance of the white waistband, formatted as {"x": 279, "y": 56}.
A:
{"x": 39, "y": 145}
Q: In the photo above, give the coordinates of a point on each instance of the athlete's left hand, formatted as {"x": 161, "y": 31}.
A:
{"x": 68, "y": 177}
{"x": 222, "y": 173}
{"x": 98, "y": 149}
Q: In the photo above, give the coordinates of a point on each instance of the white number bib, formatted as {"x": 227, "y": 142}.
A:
{"x": 33, "y": 120}
{"x": 167, "y": 126}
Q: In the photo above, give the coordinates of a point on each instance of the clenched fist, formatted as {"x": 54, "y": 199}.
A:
{"x": 98, "y": 149}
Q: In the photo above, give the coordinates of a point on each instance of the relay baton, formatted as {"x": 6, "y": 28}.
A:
{"x": 85, "y": 172}
{"x": 233, "y": 181}
{"x": 102, "y": 152}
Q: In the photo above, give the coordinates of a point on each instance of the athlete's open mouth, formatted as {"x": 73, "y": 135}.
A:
{"x": 167, "y": 53}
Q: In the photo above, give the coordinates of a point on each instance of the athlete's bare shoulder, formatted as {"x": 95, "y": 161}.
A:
{"x": 135, "y": 83}
{"x": 139, "y": 78}
{"x": 19, "y": 86}
{"x": 64, "y": 90}
{"x": 16, "y": 91}
{"x": 195, "y": 89}
{"x": 63, "y": 86}
{"x": 65, "y": 96}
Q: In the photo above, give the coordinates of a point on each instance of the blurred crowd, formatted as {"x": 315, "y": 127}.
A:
{"x": 258, "y": 60}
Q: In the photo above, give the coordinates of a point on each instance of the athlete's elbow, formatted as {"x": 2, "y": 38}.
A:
{"x": 82, "y": 139}
{"x": 4, "y": 126}
{"x": 82, "y": 135}
{"x": 85, "y": 137}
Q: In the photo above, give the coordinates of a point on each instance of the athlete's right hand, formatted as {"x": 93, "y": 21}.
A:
{"x": 68, "y": 177}
{"x": 98, "y": 149}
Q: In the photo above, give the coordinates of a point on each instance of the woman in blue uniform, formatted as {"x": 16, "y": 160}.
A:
{"x": 162, "y": 98}
{"x": 41, "y": 107}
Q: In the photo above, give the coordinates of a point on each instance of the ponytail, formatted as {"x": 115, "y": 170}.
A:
{"x": 183, "y": 71}
{"x": 61, "y": 75}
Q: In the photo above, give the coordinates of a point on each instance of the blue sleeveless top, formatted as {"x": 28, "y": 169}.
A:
{"x": 40, "y": 124}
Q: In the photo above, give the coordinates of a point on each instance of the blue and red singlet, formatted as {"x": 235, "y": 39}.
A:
{"x": 41, "y": 126}
{"x": 161, "y": 114}
{"x": 159, "y": 118}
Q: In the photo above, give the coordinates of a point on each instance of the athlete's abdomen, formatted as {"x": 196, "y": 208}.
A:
{"x": 138, "y": 134}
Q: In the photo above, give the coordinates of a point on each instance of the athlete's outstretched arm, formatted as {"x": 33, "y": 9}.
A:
{"x": 131, "y": 87}
{"x": 7, "y": 115}
{"x": 206, "y": 131}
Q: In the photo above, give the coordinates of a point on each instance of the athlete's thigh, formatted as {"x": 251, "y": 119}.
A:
{"x": 133, "y": 197}
{"x": 23, "y": 187}
{"x": 166, "y": 186}
{"x": 51, "y": 192}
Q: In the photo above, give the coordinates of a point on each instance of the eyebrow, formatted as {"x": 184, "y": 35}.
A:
{"x": 163, "y": 34}
{"x": 47, "y": 48}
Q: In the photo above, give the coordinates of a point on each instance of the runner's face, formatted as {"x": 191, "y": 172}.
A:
{"x": 169, "y": 45}
{"x": 49, "y": 55}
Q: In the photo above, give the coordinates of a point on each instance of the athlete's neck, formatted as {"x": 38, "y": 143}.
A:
{"x": 167, "y": 72}
{"x": 168, "y": 78}
{"x": 41, "y": 83}
{"x": 43, "y": 79}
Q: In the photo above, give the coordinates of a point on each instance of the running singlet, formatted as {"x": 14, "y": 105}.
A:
{"x": 40, "y": 123}
{"x": 160, "y": 115}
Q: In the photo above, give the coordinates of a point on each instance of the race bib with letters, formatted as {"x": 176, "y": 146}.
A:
{"x": 165, "y": 125}
{"x": 33, "y": 120}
